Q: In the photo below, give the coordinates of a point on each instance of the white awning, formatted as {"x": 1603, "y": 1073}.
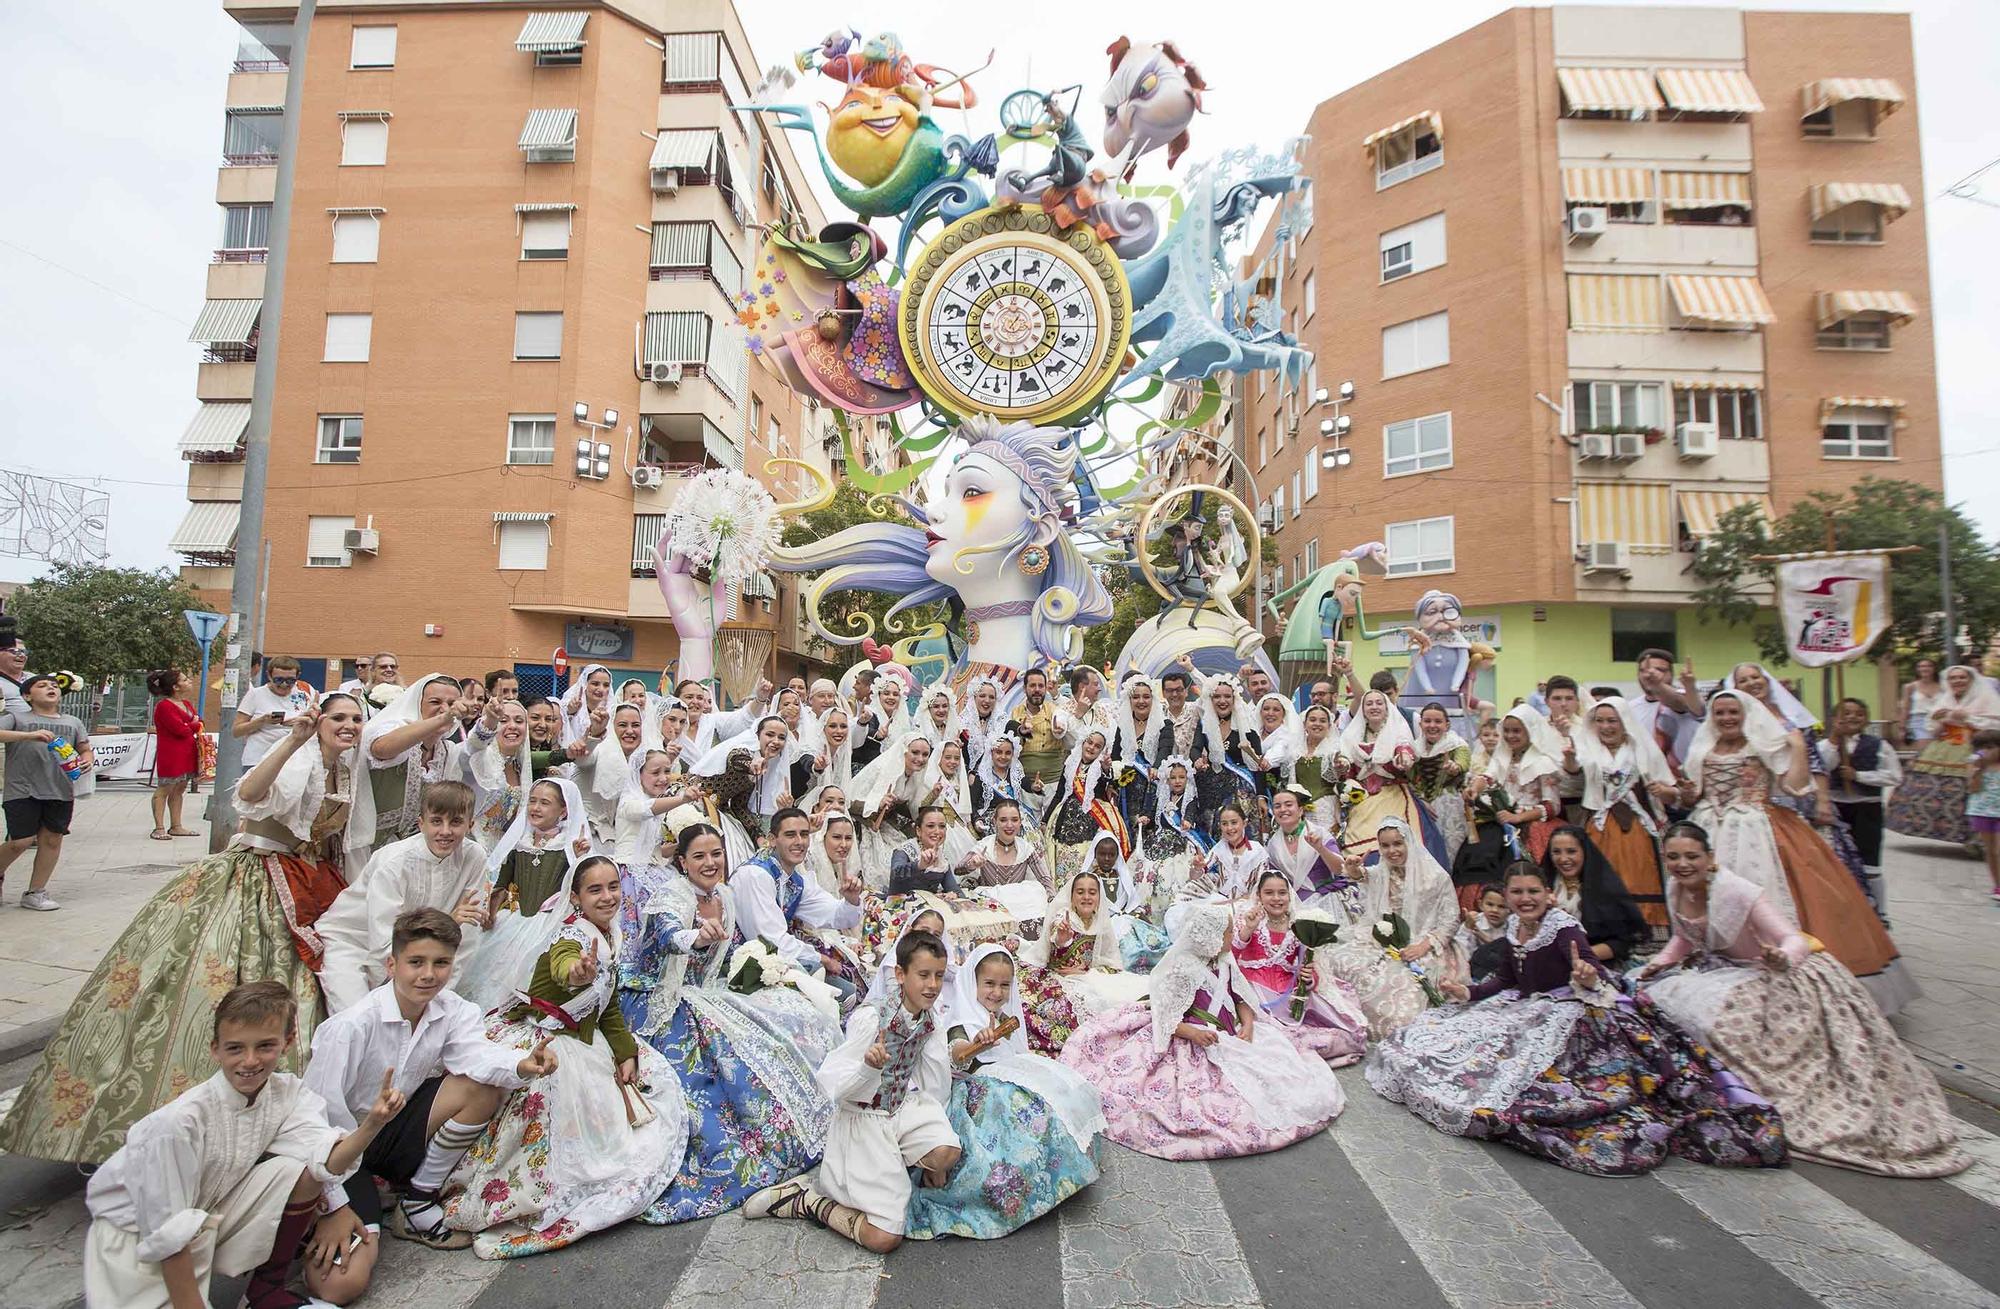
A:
{"x": 692, "y": 58}
{"x": 1710, "y": 90}
{"x": 520, "y": 516}
{"x": 1609, "y": 90}
{"x": 677, "y": 336}
{"x": 217, "y": 429}
{"x": 715, "y": 443}
{"x": 227, "y": 322}
{"x": 1890, "y": 197}
{"x": 346, "y": 114}
{"x": 759, "y": 586}
{"x": 208, "y": 531}
{"x": 1833, "y": 306}
{"x": 551, "y": 33}
{"x": 544, "y": 209}
{"x": 685, "y": 147}
{"x": 1830, "y": 91}
{"x": 549, "y": 129}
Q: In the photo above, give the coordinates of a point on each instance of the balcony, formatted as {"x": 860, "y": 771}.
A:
{"x": 1674, "y": 351}
{"x": 249, "y": 255}
{"x": 216, "y": 380}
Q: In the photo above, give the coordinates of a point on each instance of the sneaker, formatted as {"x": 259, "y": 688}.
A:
{"x": 764, "y": 1203}
{"x": 40, "y": 901}
{"x": 423, "y": 1222}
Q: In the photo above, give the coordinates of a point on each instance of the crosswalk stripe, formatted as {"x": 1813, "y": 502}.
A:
{"x": 1827, "y": 1249}
{"x": 1983, "y": 1178}
{"x": 1151, "y": 1232}
{"x": 776, "y": 1262}
{"x": 1482, "y": 1238}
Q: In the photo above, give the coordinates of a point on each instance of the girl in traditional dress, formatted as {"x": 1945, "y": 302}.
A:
{"x": 1169, "y": 840}
{"x": 1306, "y": 853}
{"x": 1191, "y": 1072}
{"x": 1738, "y": 758}
{"x": 828, "y": 759}
{"x": 500, "y": 764}
{"x": 1931, "y": 801}
{"x": 999, "y": 778}
{"x": 1085, "y": 804}
{"x": 1274, "y": 960}
{"x": 1139, "y": 942}
{"x": 1438, "y": 776}
{"x": 588, "y": 695}
{"x": 1027, "y": 1126}
{"x": 750, "y": 774}
{"x": 1552, "y": 1060}
{"x": 1074, "y": 970}
{"x": 881, "y": 725}
{"x": 586, "y": 1147}
{"x": 1794, "y": 1024}
{"x": 742, "y": 1063}
{"x": 1225, "y": 871}
{"x": 1008, "y": 868}
{"x": 651, "y": 792}
{"x": 1377, "y": 752}
{"x": 1315, "y": 770}
{"x": 605, "y": 773}
{"x": 137, "y": 1033}
{"x": 887, "y": 795}
{"x": 1405, "y": 880}
{"x": 1815, "y": 804}
{"x": 528, "y": 866}
{"x": 1627, "y": 784}
{"x": 1527, "y": 766}
{"x": 949, "y": 788}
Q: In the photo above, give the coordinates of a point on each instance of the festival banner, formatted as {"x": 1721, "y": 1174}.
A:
{"x": 1833, "y": 606}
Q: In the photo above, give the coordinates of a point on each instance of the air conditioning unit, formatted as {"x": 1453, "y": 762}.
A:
{"x": 1628, "y": 445}
{"x": 667, "y": 181}
{"x": 1587, "y": 223}
{"x": 1605, "y": 557}
{"x": 663, "y": 374}
{"x": 646, "y": 477}
{"x": 1593, "y": 445}
{"x": 1696, "y": 440}
{"x": 361, "y": 540}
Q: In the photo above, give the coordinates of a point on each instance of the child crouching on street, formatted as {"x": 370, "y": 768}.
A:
{"x": 888, "y": 1082}
{"x": 227, "y": 1176}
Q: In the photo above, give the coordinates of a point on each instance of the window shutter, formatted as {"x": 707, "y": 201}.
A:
{"x": 364, "y": 141}
{"x": 326, "y": 540}
{"x": 347, "y": 338}
{"x": 538, "y": 335}
{"x": 544, "y": 234}
{"x": 374, "y": 47}
{"x": 524, "y": 546}
{"x": 355, "y": 238}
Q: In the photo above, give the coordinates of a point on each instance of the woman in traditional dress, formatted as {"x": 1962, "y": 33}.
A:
{"x": 500, "y": 763}
{"x": 939, "y": 721}
{"x": 998, "y": 778}
{"x": 1377, "y": 752}
{"x": 981, "y": 721}
{"x": 1443, "y": 763}
{"x": 588, "y": 695}
{"x": 949, "y": 787}
{"x": 1235, "y": 752}
{"x": 743, "y": 1063}
{"x": 887, "y": 795}
{"x": 1588, "y": 889}
{"x": 1226, "y": 871}
{"x": 1027, "y": 1126}
{"x": 1315, "y": 770}
{"x": 565, "y": 1156}
{"x": 529, "y": 866}
{"x": 1274, "y": 962}
{"x": 1191, "y": 1072}
{"x": 1931, "y": 801}
{"x": 1074, "y": 970}
{"x": 1283, "y": 742}
{"x": 1403, "y": 880}
{"x": 1085, "y": 805}
{"x": 605, "y": 773}
{"x": 137, "y": 1034}
{"x": 1738, "y": 759}
{"x": 1169, "y": 839}
{"x": 827, "y": 757}
{"x": 1815, "y": 804}
{"x": 1007, "y": 868}
{"x": 1306, "y": 853}
{"x": 750, "y": 774}
{"x": 1627, "y": 784}
{"x": 1553, "y": 1060}
{"x": 1139, "y": 941}
{"x": 1527, "y": 766}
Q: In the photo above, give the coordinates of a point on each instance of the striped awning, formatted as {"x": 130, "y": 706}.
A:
{"x": 1607, "y": 186}
{"x": 1609, "y": 90}
{"x": 217, "y": 429}
{"x": 1711, "y": 384}
{"x": 549, "y": 129}
{"x": 208, "y": 531}
{"x": 717, "y": 445}
{"x": 1638, "y": 513}
{"x": 1890, "y": 197}
{"x": 759, "y": 586}
{"x": 338, "y": 210}
{"x": 520, "y": 516}
{"x": 681, "y": 244}
{"x": 647, "y": 529}
{"x": 686, "y": 147}
{"x": 1704, "y": 190}
{"x": 1833, "y": 403}
{"x": 1720, "y": 301}
{"x": 1710, "y": 90}
{"x": 227, "y": 322}
{"x": 677, "y": 336}
{"x": 691, "y": 58}
{"x": 551, "y": 33}
{"x": 1702, "y": 511}
{"x": 544, "y": 209}
{"x": 1829, "y": 91}
{"x": 383, "y": 114}
{"x": 1830, "y": 307}
{"x": 1428, "y": 117}
{"x": 1613, "y": 302}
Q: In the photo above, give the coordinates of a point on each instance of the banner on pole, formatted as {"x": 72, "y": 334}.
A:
{"x": 1834, "y": 607}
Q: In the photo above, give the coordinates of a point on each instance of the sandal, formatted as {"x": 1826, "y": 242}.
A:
{"x": 160, "y": 834}
{"x": 181, "y": 831}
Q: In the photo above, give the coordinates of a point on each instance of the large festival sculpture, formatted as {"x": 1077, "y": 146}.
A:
{"x": 1011, "y": 307}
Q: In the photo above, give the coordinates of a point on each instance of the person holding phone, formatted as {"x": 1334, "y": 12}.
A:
{"x": 261, "y": 714}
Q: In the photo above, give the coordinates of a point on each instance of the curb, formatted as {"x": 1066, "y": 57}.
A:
{"x": 28, "y": 1039}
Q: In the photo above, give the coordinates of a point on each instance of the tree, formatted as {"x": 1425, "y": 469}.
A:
{"x": 1874, "y": 513}
{"x": 1132, "y": 603}
{"x": 850, "y": 508}
{"x": 101, "y": 622}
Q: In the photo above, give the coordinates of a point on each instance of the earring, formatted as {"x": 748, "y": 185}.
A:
{"x": 1034, "y": 561}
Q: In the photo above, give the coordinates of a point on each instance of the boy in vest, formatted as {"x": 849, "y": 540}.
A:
{"x": 1861, "y": 770}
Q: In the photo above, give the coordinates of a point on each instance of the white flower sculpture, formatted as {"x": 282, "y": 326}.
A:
{"x": 725, "y": 522}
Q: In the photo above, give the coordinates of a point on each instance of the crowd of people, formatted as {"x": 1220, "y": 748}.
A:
{"x": 895, "y": 959}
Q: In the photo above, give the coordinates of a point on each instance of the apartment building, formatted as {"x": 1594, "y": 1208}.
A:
{"x": 508, "y": 334}
{"x": 1598, "y": 276}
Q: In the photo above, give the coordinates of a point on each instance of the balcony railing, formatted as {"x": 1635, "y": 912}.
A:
{"x": 256, "y": 159}
{"x": 245, "y": 255}
{"x": 268, "y": 64}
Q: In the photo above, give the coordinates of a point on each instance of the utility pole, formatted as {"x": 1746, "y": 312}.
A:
{"x": 245, "y": 608}
{"x": 1944, "y": 590}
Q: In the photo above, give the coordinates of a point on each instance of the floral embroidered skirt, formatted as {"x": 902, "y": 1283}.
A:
{"x": 1930, "y": 803}
{"x": 137, "y": 1034}
{"x": 1018, "y": 1161}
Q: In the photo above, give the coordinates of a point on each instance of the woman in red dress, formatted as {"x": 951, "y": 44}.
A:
{"x": 175, "y": 756}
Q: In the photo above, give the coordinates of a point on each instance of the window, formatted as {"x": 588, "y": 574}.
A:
{"x": 1298, "y": 568}
{"x": 246, "y": 227}
{"x": 1609, "y": 406}
{"x": 1263, "y": 448}
{"x": 339, "y": 439}
{"x": 1312, "y": 555}
{"x": 1312, "y": 472}
{"x": 1278, "y": 431}
{"x": 364, "y": 142}
{"x": 1416, "y": 345}
{"x": 524, "y": 546}
{"x": 549, "y": 136}
{"x": 347, "y": 338}
{"x": 1416, "y": 149}
{"x": 1637, "y": 630}
{"x": 1857, "y": 224}
{"x": 538, "y": 335}
{"x": 374, "y": 47}
{"x": 1416, "y": 445}
{"x": 1413, "y": 248}
{"x": 1278, "y": 505}
{"x": 326, "y": 542}
{"x": 1298, "y": 501}
{"x": 1862, "y": 332}
{"x": 356, "y": 238}
{"x": 1422, "y": 545}
{"x": 531, "y": 439}
{"x": 1850, "y": 120}
{"x": 1858, "y": 434}
{"x": 1734, "y": 413}
{"x": 545, "y": 235}
{"x": 1310, "y": 298}
{"x": 252, "y": 136}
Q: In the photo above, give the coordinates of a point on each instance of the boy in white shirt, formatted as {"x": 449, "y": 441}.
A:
{"x": 225, "y": 1177}
{"x": 438, "y": 868}
{"x": 888, "y": 1082}
{"x": 432, "y": 1043}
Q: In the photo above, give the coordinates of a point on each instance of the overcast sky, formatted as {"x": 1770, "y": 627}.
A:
{"x": 106, "y": 232}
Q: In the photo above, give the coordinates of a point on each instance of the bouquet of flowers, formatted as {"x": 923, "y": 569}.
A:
{"x": 1489, "y": 804}
{"x": 758, "y": 964}
{"x": 1314, "y": 928}
{"x": 1392, "y": 933}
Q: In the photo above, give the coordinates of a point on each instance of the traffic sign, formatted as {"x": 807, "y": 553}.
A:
{"x": 204, "y": 625}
